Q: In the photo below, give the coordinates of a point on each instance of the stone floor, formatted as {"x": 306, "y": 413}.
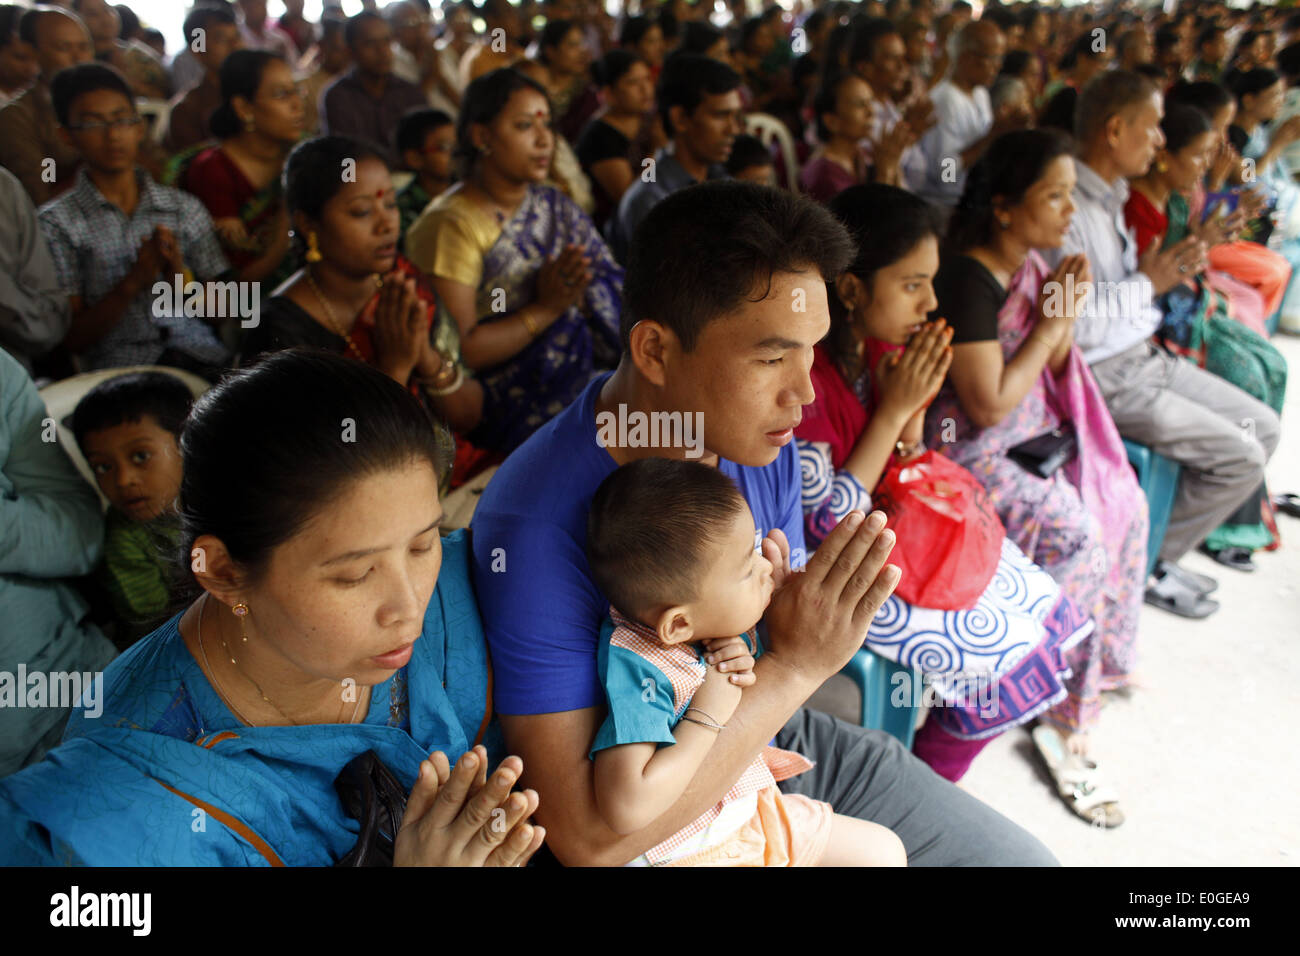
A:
{"x": 1202, "y": 754}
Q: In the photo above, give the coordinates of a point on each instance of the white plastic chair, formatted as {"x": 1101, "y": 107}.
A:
{"x": 765, "y": 128}
{"x": 158, "y": 112}
{"x": 61, "y": 399}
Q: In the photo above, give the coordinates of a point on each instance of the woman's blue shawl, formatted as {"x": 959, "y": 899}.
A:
{"x": 166, "y": 775}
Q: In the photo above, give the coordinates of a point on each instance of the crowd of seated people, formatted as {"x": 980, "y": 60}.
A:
{"x": 526, "y": 333}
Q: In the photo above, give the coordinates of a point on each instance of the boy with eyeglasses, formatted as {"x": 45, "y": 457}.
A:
{"x": 425, "y": 140}
{"x": 116, "y": 233}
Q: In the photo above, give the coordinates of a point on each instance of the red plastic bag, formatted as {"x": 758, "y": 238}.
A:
{"x": 949, "y": 537}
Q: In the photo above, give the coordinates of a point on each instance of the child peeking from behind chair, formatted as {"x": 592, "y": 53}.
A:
{"x": 672, "y": 544}
{"x": 128, "y": 429}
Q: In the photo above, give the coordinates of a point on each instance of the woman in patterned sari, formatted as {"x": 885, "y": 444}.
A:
{"x": 1016, "y": 376}
{"x": 530, "y": 285}
{"x": 1200, "y": 323}
{"x": 1011, "y": 647}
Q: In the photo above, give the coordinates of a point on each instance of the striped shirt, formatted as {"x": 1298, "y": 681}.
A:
{"x": 134, "y": 568}
{"x": 95, "y": 244}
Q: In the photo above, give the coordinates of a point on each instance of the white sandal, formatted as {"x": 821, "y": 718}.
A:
{"x": 1079, "y": 781}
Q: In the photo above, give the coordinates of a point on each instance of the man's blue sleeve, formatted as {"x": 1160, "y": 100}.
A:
{"x": 541, "y": 614}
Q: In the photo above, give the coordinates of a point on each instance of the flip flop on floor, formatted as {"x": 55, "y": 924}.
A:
{"x": 1287, "y": 504}
{"x": 1079, "y": 781}
{"x": 1170, "y": 595}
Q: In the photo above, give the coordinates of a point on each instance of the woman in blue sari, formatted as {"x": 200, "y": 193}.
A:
{"x": 529, "y": 283}
{"x": 310, "y": 509}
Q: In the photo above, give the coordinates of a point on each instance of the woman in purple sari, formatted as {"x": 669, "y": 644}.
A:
{"x": 1016, "y": 375}
{"x": 526, "y": 280}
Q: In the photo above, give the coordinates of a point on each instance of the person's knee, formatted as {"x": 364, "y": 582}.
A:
{"x": 1267, "y": 430}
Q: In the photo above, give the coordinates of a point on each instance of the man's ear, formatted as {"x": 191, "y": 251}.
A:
{"x": 678, "y": 119}
{"x": 676, "y": 625}
{"x": 651, "y": 344}
{"x": 216, "y": 571}
{"x": 1114, "y": 129}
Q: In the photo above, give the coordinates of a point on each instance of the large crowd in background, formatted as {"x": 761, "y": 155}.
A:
{"x": 342, "y": 332}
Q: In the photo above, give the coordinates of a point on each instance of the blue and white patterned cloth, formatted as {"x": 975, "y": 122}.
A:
{"x": 94, "y": 244}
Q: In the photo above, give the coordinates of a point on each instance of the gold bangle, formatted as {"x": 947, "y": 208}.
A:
{"x": 456, "y": 382}
{"x": 529, "y": 326}
{"x": 904, "y": 450}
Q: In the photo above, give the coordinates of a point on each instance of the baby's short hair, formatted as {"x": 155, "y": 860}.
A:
{"x": 129, "y": 398}
{"x": 649, "y": 527}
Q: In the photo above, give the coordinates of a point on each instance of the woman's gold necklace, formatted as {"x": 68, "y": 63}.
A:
{"x": 334, "y": 324}
{"x": 230, "y": 700}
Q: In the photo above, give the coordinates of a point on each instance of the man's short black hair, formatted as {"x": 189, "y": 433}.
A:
{"x": 129, "y": 398}
{"x": 83, "y": 78}
{"x": 650, "y": 528}
{"x": 704, "y": 250}
{"x": 748, "y": 151}
{"x": 866, "y": 36}
{"x": 1103, "y": 96}
{"x": 1207, "y": 35}
{"x": 205, "y": 18}
{"x": 415, "y": 125}
{"x": 352, "y": 32}
{"x": 689, "y": 77}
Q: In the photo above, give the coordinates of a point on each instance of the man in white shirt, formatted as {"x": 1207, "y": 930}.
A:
{"x": 1221, "y": 436}
{"x": 965, "y": 121}
{"x": 877, "y": 54}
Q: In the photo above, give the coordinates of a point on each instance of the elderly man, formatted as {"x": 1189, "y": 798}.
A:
{"x": 965, "y": 122}
{"x": 30, "y": 145}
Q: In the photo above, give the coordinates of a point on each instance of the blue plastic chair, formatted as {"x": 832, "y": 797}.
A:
{"x": 1158, "y": 477}
{"x": 889, "y": 701}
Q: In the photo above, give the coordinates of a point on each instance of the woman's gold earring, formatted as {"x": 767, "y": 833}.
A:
{"x": 313, "y": 250}
{"x": 240, "y": 611}
{"x": 1161, "y": 167}
{"x": 250, "y": 124}
{"x": 1004, "y": 223}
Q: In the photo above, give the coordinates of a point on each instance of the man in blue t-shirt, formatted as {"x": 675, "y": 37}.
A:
{"x": 724, "y": 299}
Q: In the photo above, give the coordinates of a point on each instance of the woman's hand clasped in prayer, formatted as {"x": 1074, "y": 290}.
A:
{"x": 562, "y": 281}
{"x": 401, "y": 331}
{"x": 460, "y": 817}
{"x": 909, "y": 380}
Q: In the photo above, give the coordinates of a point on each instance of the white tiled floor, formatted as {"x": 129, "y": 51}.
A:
{"x": 1206, "y": 756}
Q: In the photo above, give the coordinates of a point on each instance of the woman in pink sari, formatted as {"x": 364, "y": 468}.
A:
{"x": 1016, "y": 376}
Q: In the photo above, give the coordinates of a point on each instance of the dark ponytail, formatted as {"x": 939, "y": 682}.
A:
{"x": 1007, "y": 169}
{"x": 241, "y": 75}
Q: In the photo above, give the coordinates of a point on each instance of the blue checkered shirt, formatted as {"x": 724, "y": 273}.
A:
{"x": 94, "y": 244}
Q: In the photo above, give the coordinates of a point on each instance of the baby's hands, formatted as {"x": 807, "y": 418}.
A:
{"x": 731, "y": 655}
{"x": 717, "y": 697}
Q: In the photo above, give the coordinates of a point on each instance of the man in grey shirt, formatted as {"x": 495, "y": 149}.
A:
{"x": 1221, "y": 436}
{"x": 699, "y": 102}
{"x": 34, "y": 312}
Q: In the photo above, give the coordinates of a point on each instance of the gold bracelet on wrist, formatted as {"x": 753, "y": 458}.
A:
{"x": 529, "y": 325}
{"x": 457, "y": 380}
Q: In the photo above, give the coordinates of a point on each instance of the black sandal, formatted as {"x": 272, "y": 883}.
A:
{"x": 1287, "y": 504}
